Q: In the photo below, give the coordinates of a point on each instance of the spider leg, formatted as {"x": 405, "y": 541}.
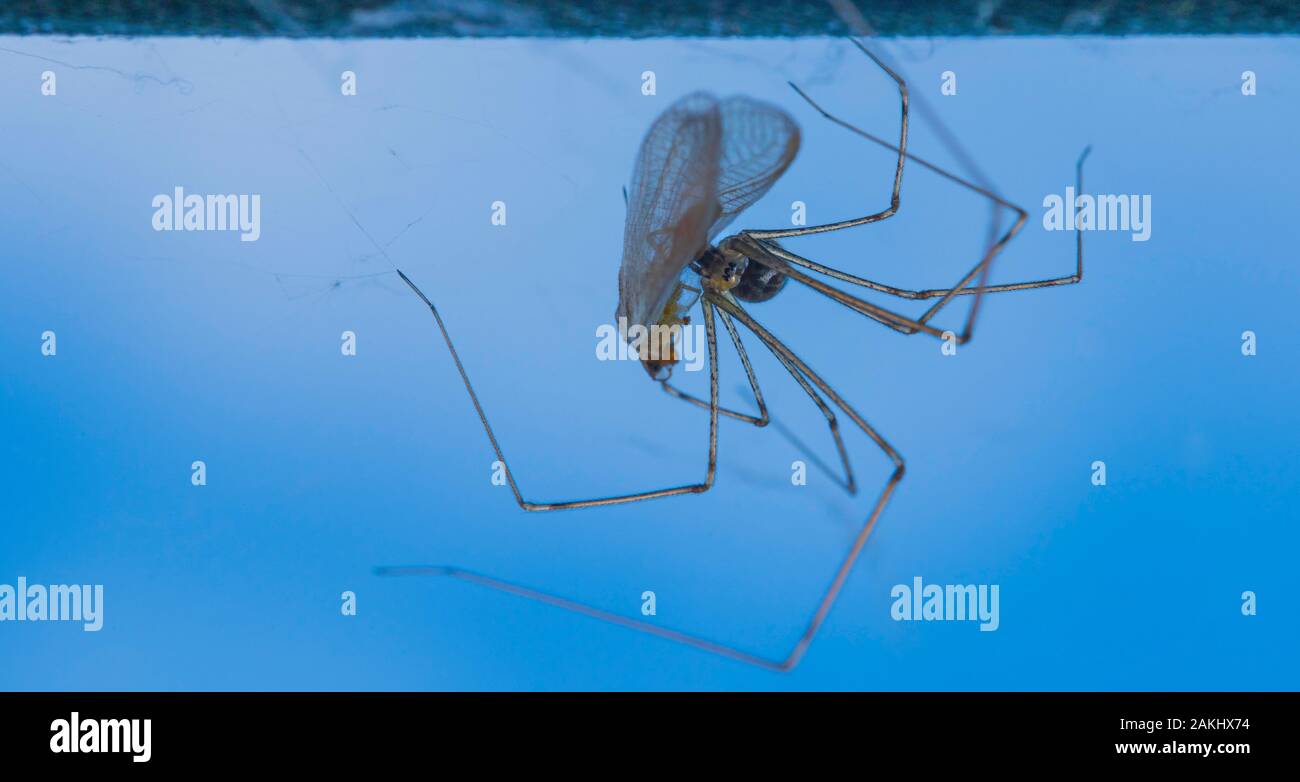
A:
{"x": 846, "y": 565}
{"x": 776, "y": 257}
{"x": 898, "y": 171}
{"x": 696, "y": 488}
{"x": 639, "y": 625}
{"x": 762, "y": 419}
{"x": 772, "y": 253}
{"x": 774, "y": 249}
{"x": 791, "y": 361}
{"x": 849, "y": 483}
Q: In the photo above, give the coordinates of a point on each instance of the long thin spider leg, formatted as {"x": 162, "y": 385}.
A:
{"x": 774, "y": 255}
{"x": 850, "y": 483}
{"x": 571, "y": 605}
{"x": 946, "y": 293}
{"x": 896, "y": 320}
{"x": 639, "y": 625}
{"x": 828, "y": 597}
{"x": 762, "y": 419}
{"x": 793, "y": 438}
{"x": 846, "y": 565}
{"x": 898, "y": 171}
{"x": 696, "y": 488}
{"x": 776, "y": 250}
{"x": 773, "y": 250}
{"x": 781, "y": 350}
{"x": 853, "y": 18}
{"x": 763, "y": 243}
{"x": 761, "y": 252}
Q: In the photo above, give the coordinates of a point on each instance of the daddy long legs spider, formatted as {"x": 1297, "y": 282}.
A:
{"x": 702, "y": 162}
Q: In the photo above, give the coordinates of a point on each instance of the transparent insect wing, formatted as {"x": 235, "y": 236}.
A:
{"x": 759, "y": 141}
{"x": 672, "y": 205}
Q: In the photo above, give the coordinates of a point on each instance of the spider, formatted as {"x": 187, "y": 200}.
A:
{"x": 702, "y": 162}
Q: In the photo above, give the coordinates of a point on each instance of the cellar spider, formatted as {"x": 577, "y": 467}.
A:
{"x": 702, "y": 162}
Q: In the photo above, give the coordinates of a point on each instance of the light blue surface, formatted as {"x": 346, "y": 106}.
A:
{"x": 181, "y": 346}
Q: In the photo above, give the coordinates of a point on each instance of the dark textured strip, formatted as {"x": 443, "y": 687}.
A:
{"x": 630, "y": 19}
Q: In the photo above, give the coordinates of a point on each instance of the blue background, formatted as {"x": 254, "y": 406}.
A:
{"x": 174, "y": 347}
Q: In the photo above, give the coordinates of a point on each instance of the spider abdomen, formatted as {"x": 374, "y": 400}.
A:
{"x": 759, "y": 283}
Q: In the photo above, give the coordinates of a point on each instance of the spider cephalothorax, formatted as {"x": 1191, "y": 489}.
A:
{"x": 725, "y": 268}
{"x": 720, "y": 270}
